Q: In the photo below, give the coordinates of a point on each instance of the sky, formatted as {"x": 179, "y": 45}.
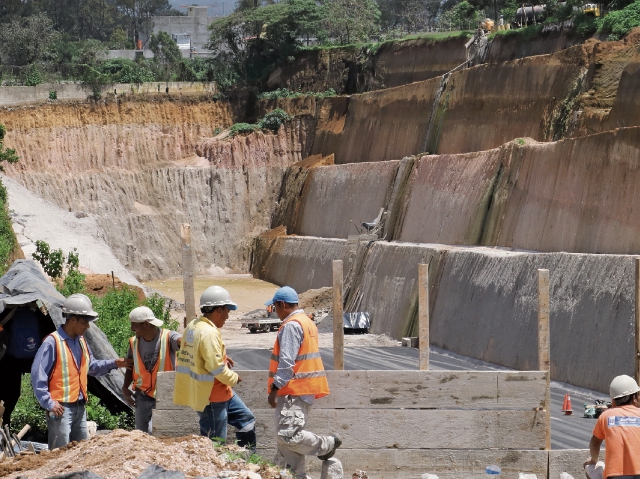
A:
{"x": 215, "y": 6}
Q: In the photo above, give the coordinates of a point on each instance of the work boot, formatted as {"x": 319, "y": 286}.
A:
{"x": 337, "y": 442}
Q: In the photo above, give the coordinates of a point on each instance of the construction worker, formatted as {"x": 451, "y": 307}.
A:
{"x": 204, "y": 377}
{"x": 296, "y": 378}
{"x": 620, "y": 428}
{"x": 60, "y": 369}
{"x": 155, "y": 351}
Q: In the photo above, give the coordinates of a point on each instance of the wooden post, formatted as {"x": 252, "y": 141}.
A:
{"x": 338, "y": 325}
{"x": 187, "y": 274}
{"x": 543, "y": 344}
{"x": 637, "y": 358}
{"x": 423, "y": 315}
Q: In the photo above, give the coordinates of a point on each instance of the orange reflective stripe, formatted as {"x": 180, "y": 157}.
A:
{"x": 309, "y": 377}
{"x": 67, "y": 380}
{"x": 143, "y": 380}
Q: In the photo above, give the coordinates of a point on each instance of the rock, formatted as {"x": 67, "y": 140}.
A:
{"x": 527, "y": 476}
{"x": 360, "y": 474}
{"x": 249, "y": 475}
{"x": 92, "y": 429}
{"x": 332, "y": 469}
{"x": 564, "y": 475}
{"x": 428, "y": 476}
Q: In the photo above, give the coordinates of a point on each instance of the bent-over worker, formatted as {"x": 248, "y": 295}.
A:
{"x": 620, "y": 428}
{"x": 296, "y": 378}
{"x": 204, "y": 377}
{"x": 152, "y": 350}
{"x": 60, "y": 369}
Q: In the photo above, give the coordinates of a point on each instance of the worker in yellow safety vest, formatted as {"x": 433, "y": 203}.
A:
{"x": 204, "y": 377}
{"x": 60, "y": 369}
{"x": 152, "y": 350}
{"x": 296, "y": 379}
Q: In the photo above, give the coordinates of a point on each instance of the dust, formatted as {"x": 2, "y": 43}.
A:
{"x": 124, "y": 455}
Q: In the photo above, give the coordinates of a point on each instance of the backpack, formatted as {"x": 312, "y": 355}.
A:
{"x": 24, "y": 335}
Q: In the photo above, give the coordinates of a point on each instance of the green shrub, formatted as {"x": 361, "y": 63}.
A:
{"x": 113, "y": 316}
{"x": 33, "y": 77}
{"x": 243, "y": 128}
{"x": 274, "y": 120}
{"x": 53, "y": 95}
{"x": 72, "y": 283}
{"x": 28, "y": 410}
{"x": 620, "y": 22}
{"x": 285, "y": 93}
{"x": 96, "y": 411}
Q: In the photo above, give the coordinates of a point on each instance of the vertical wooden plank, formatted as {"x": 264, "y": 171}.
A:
{"x": 423, "y": 315}
{"x": 637, "y": 358}
{"x": 338, "y": 325}
{"x": 543, "y": 344}
{"x": 187, "y": 273}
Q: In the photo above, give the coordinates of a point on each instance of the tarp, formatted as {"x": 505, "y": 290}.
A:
{"x": 25, "y": 283}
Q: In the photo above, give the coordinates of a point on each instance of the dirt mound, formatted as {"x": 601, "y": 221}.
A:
{"x": 315, "y": 300}
{"x": 100, "y": 284}
{"x": 124, "y": 455}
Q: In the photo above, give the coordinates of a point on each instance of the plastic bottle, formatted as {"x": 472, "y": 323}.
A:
{"x": 493, "y": 470}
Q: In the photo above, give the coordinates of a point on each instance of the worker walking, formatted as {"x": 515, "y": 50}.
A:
{"x": 620, "y": 428}
{"x": 152, "y": 350}
{"x": 60, "y": 369}
{"x": 296, "y": 378}
{"x": 204, "y": 377}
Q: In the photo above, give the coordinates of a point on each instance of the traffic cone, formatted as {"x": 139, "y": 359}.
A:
{"x": 566, "y": 405}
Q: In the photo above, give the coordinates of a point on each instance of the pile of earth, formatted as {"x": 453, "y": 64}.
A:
{"x": 126, "y": 454}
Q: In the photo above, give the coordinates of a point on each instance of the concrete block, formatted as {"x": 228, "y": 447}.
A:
{"x": 92, "y": 429}
{"x": 332, "y": 469}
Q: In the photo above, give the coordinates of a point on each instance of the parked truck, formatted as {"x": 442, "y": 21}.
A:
{"x": 267, "y": 323}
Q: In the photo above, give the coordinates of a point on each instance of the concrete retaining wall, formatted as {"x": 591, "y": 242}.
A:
{"x": 22, "y": 95}
{"x": 483, "y": 301}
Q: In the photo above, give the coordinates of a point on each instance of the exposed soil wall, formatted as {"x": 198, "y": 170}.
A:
{"x": 142, "y": 180}
{"x": 511, "y": 46}
{"x": 351, "y": 70}
{"x": 483, "y": 301}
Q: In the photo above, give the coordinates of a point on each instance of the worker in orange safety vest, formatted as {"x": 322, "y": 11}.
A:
{"x": 60, "y": 369}
{"x": 296, "y": 379}
{"x": 152, "y": 350}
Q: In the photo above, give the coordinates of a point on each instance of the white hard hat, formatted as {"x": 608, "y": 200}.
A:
{"x": 217, "y": 296}
{"x": 79, "y": 304}
{"x": 143, "y": 314}
{"x": 622, "y": 386}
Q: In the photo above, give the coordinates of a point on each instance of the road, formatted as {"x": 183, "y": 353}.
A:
{"x": 567, "y": 432}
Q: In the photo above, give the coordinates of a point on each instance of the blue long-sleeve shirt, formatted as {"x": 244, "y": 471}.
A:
{"x": 46, "y": 358}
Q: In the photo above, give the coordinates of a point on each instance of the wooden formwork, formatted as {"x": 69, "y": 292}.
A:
{"x": 401, "y": 424}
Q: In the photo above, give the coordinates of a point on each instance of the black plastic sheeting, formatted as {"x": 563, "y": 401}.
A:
{"x": 25, "y": 283}
{"x": 151, "y": 472}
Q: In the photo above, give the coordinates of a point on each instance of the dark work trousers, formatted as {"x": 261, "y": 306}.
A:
{"x": 11, "y": 371}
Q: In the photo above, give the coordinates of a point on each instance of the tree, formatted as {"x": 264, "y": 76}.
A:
{"x": 139, "y": 13}
{"x": 6, "y": 154}
{"x": 166, "y": 54}
{"x": 27, "y": 40}
{"x": 351, "y": 20}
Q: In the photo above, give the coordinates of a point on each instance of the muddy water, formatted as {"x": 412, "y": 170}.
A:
{"x": 249, "y": 293}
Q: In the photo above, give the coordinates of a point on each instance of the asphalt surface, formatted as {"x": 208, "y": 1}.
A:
{"x": 567, "y": 432}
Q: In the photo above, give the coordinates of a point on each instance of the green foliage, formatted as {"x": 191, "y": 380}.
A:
{"x": 351, "y": 20}
{"x": 52, "y": 261}
{"x": 33, "y": 77}
{"x": 618, "y": 23}
{"x": 26, "y": 40}
{"x": 113, "y": 316}
{"x": 274, "y": 120}
{"x": 6, "y": 154}
{"x": 118, "y": 39}
{"x": 585, "y": 25}
{"x": 284, "y": 93}
{"x": 53, "y": 95}
{"x": 97, "y": 412}
{"x": 162, "y": 311}
{"x": 164, "y": 49}
{"x": 8, "y": 240}
{"x": 72, "y": 283}
{"x": 28, "y": 411}
{"x": 243, "y": 128}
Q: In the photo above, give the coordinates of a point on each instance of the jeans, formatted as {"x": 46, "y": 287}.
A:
{"x": 72, "y": 426}
{"x": 144, "y": 410}
{"x": 216, "y": 416}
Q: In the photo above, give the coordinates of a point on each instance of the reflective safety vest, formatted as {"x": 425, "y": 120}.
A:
{"x": 308, "y": 372}
{"x": 66, "y": 379}
{"x": 143, "y": 380}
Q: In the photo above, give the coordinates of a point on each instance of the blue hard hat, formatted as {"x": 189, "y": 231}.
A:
{"x": 286, "y": 294}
